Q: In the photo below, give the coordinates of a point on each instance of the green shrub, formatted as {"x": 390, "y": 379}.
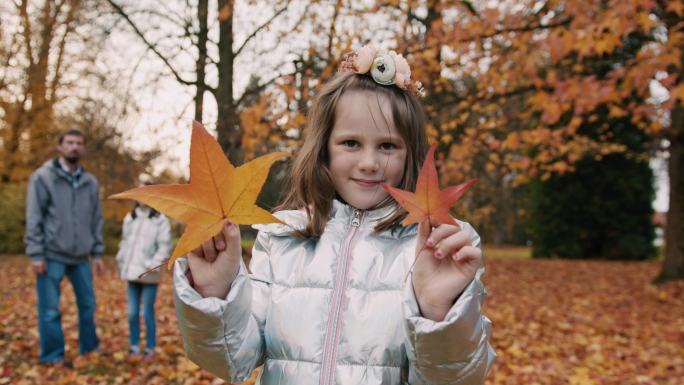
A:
{"x": 13, "y": 218}
{"x": 601, "y": 211}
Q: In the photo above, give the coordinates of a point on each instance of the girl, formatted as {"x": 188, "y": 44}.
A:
{"x": 145, "y": 243}
{"x": 328, "y": 303}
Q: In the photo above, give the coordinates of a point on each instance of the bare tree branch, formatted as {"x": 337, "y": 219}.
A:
{"x": 332, "y": 33}
{"x": 149, "y": 45}
{"x": 60, "y": 55}
{"x": 161, "y": 15}
{"x": 8, "y": 59}
{"x": 258, "y": 89}
{"x": 200, "y": 64}
{"x": 525, "y": 28}
{"x": 262, "y": 26}
{"x": 26, "y": 30}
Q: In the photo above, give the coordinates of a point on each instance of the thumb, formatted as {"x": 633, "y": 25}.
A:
{"x": 223, "y": 237}
{"x": 231, "y": 232}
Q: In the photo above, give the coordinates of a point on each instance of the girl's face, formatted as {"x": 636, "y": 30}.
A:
{"x": 365, "y": 149}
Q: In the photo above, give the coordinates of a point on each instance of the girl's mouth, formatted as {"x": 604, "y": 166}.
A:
{"x": 367, "y": 182}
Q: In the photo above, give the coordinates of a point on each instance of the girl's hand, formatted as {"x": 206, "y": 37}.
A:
{"x": 215, "y": 263}
{"x": 98, "y": 266}
{"x": 444, "y": 267}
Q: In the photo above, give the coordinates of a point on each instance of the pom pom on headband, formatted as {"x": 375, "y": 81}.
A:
{"x": 385, "y": 68}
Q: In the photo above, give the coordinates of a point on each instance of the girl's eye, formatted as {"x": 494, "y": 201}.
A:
{"x": 388, "y": 146}
{"x": 350, "y": 143}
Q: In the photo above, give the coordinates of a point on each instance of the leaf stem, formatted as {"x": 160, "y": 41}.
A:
{"x": 148, "y": 271}
{"x": 415, "y": 260}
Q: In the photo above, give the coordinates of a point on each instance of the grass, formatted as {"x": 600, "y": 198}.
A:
{"x": 507, "y": 251}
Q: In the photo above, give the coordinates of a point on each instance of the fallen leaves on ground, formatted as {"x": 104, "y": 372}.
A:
{"x": 554, "y": 322}
{"x": 112, "y": 365}
{"x": 584, "y": 323}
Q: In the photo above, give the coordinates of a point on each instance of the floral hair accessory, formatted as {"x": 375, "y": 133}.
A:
{"x": 385, "y": 68}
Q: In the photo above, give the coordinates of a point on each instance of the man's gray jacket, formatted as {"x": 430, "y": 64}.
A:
{"x": 63, "y": 215}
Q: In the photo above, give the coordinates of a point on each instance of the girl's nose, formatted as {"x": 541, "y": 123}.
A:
{"x": 369, "y": 162}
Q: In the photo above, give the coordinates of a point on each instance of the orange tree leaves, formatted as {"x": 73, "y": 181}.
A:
{"x": 529, "y": 70}
{"x": 522, "y": 81}
{"x": 217, "y": 191}
{"x": 429, "y": 202}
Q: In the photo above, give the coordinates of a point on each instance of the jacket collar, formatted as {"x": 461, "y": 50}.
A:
{"x": 79, "y": 175}
{"x": 296, "y": 219}
{"x": 342, "y": 210}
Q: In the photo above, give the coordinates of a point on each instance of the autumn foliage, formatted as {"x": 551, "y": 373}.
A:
{"x": 517, "y": 91}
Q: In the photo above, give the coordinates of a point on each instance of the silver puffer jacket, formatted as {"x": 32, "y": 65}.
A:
{"x": 333, "y": 311}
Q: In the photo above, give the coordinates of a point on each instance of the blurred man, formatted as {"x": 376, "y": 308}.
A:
{"x": 63, "y": 231}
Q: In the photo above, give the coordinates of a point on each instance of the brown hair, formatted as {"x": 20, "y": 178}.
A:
{"x": 311, "y": 183}
{"x": 71, "y": 132}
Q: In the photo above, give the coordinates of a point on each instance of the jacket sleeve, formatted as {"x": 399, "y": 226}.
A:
{"x": 96, "y": 225}
{"x": 36, "y": 202}
{"x": 163, "y": 243}
{"x": 455, "y": 350}
{"x": 225, "y": 335}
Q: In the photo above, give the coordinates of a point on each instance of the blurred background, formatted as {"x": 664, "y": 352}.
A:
{"x": 570, "y": 114}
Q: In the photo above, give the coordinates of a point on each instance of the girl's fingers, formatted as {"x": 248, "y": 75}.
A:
{"x": 195, "y": 259}
{"x": 219, "y": 242}
{"x": 197, "y": 252}
{"x": 439, "y": 233}
{"x": 467, "y": 253}
{"x": 452, "y": 244}
{"x": 209, "y": 250}
{"x": 188, "y": 275}
{"x": 230, "y": 233}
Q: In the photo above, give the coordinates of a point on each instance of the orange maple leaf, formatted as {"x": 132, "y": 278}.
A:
{"x": 217, "y": 191}
{"x": 429, "y": 202}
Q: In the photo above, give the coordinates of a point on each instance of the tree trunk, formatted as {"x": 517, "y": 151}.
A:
{"x": 11, "y": 146}
{"x": 673, "y": 266}
{"x": 227, "y": 125}
{"x": 40, "y": 115}
{"x": 202, "y": 12}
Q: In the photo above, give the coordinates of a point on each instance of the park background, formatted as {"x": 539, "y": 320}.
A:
{"x": 566, "y": 111}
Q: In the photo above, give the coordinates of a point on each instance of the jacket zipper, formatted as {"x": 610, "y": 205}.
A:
{"x": 332, "y": 334}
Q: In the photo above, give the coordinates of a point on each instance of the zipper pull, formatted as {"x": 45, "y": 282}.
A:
{"x": 357, "y": 218}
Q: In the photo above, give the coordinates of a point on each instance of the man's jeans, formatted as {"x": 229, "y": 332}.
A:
{"x": 148, "y": 292}
{"x": 49, "y": 316}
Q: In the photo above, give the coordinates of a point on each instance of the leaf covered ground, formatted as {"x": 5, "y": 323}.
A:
{"x": 554, "y": 322}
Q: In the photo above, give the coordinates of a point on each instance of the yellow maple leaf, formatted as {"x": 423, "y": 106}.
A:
{"x": 217, "y": 191}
